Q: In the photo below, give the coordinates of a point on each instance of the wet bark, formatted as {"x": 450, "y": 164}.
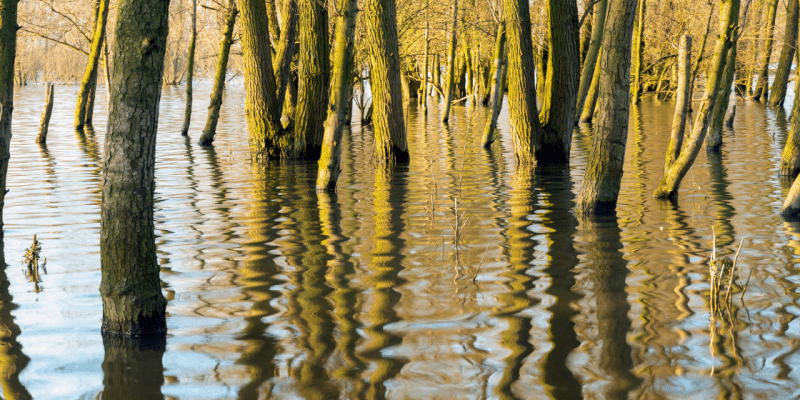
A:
{"x": 219, "y": 77}
{"x": 497, "y": 85}
{"x": 451, "y": 65}
{"x": 761, "y": 92}
{"x": 8, "y": 50}
{"x": 384, "y": 61}
{"x": 781, "y": 81}
{"x": 330, "y": 159}
{"x": 636, "y": 57}
{"x": 44, "y": 123}
{"x": 90, "y": 75}
{"x": 187, "y": 116}
{"x": 682, "y": 101}
{"x": 131, "y": 289}
{"x": 603, "y": 175}
{"x": 714, "y": 141}
{"x": 591, "y": 56}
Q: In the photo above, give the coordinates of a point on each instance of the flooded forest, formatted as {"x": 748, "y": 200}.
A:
{"x": 393, "y": 199}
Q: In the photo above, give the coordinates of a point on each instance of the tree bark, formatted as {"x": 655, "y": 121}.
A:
{"x": 682, "y": 101}
{"x": 728, "y": 25}
{"x": 219, "y": 77}
{"x": 638, "y": 44}
{"x": 591, "y": 56}
{"x": 603, "y": 175}
{"x": 714, "y": 141}
{"x": 451, "y": 65}
{"x": 423, "y": 99}
{"x": 497, "y": 85}
{"x": 591, "y": 98}
{"x": 261, "y": 106}
{"x": 44, "y": 123}
{"x": 90, "y": 76}
{"x": 187, "y": 115}
{"x": 699, "y": 59}
{"x": 131, "y": 289}
{"x": 790, "y": 158}
{"x": 761, "y": 93}
{"x": 384, "y": 63}
{"x": 330, "y": 159}
{"x": 8, "y": 50}
{"x": 314, "y": 72}
{"x": 781, "y": 81}
{"x": 282, "y": 64}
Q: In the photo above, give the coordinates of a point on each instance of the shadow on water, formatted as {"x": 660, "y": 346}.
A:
{"x": 133, "y": 367}
{"x": 12, "y": 359}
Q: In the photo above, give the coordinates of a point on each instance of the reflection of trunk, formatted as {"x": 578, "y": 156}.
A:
{"x": 451, "y": 65}
{"x": 497, "y": 85}
{"x": 603, "y": 174}
{"x": 682, "y": 102}
{"x": 187, "y": 116}
{"x": 133, "y": 367}
{"x": 636, "y": 56}
{"x": 761, "y": 93}
{"x": 714, "y": 141}
{"x": 729, "y": 20}
{"x": 781, "y": 81}
{"x": 219, "y": 77}
{"x": 384, "y": 60}
{"x": 12, "y": 359}
{"x": 592, "y": 54}
{"x": 329, "y": 161}
{"x": 90, "y": 76}
{"x": 131, "y": 289}
{"x": 314, "y": 72}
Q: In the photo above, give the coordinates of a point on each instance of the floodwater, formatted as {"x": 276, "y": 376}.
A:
{"x": 278, "y": 292}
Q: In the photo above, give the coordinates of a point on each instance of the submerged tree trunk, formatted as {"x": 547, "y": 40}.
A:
{"x": 90, "y": 76}
{"x": 497, "y": 85}
{"x": 591, "y": 56}
{"x": 636, "y": 57}
{"x": 131, "y": 289}
{"x": 781, "y": 81}
{"x": 219, "y": 77}
{"x": 714, "y": 141}
{"x": 314, "y": 72}
{"x": 261, "y": 105}
{"x": 44, "y": 123}
{"x": 451, "y": 65}
{"x": 8, "y": 50}
{"x": 728, "y": 26}
{"x": 384, "y": 78}
{"x": 187, "y": 115}
{"x": 601, "y": 181}
{"x": 682, "y": 101}
{"x": 330, "y": 159}
{"x": 761, "y": 93}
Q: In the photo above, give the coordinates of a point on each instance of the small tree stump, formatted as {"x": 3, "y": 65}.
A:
{"x": 46, "y": 113}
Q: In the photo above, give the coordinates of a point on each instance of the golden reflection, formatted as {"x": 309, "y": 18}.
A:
{"x": 133, "y": 367}
{"x": 12, "y": 359}
{"x": 786, "y": 316}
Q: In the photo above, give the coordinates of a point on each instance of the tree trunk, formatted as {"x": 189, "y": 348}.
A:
{"x": 451, "y": 65}
{"x": 682, "y": 101}
{"x": 781, "y": 82}
{"x": 8, "y": 49}
{"x": 497, "y": 85}
{"x": 638, "y": 44}
{"x": 761, "y": 93}
{"x": 541, "y": 69}
{"x": 714, "y": 141}
{"x": 728, "y": 25}
{"x": 44, "y": 123}
{"x": 282, "y": 64}
{"x": 587, "y": 33}
{"x": 591, "y": 98}
{"x": 330, "y": 159}
{"x": 313, "y": 68}
{"x": 187, "y": 116}
{"x": 698, "y": 60}
{"x": 219, "y": 77}
{"x": 523, "y": 115}
{"x": 93, "y": 83}
{"x": 423, "y": 99}
{"x": 557, "y": 114}
{"x": 601, "y": 181}
{"x": 384, "y": 78}
{"x": 790, "y": 158}
{"x": 90, "y": 76}
{"x": 131, "y": 289}
{"x": 261, "y": 105}
{"x": 591, "y": 56}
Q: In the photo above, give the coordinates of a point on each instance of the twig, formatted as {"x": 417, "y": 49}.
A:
{"x": 479, "y": 265}
{"x": 733, "y": 267}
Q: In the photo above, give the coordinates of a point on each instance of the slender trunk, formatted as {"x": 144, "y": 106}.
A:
{"x": 591, "y": 56}
{"x": 187, "y": 116}
{"x": 638, "y": 44}
{"x": 728, "y": 26}
{"x": 790, "y": 159}
{"x": 469, "y": 82}
{"x": 93, "y": 83}
{"x": 497, "y": 85}
{"x": 314, "y": 71}
{"x": 330, "y": 159}
{"x": 699, "y": 59}
{"x": 714, "y": 141}
{"x": 601, "y": 181}
{"x": 282, "y": 63}
{"x": 451, "y": 65}
{"x": 682, "y": 101}
{"x": 591, "y": 98}
{"x": 423, "y": 99}
{"x": 131, "y": 289}
{"x": 219, "y": 77}
{"x": 730, "y": 116}
{"x": 384, "y": 78}
{"x": 541, "y": 69}
{"x": 557, "y": 114}
{"x": 261, "y": 106}
{"x": 523, "y": 115}
{"x": 272, "y": 15}
{"x": 44, "y": 123}
{"x": 91, "y": 68}
{"x": 437, "y": 72}
{"x": 781, "y": 81}
{"x": 587, "y": 33}
{"x": 8, "y": 38}
{"x": 761, "y": 93}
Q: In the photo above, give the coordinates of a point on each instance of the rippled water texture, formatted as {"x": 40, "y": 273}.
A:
{"x": 276, "y": 291}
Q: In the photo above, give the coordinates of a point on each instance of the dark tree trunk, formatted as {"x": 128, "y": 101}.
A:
{"x": 781, "y": 82}
{"x": 187, "y": 115}
{"x": 761, "y": 93}
{"x": 219, "y": 77}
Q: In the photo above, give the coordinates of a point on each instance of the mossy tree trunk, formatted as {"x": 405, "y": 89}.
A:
{"x": 682, "y": 101}
{"x": 451, "y": 65}
{"x": 636, "y": 57}
{"x": 187, "y": 115}
{"x": 790, "y": 158}
{"x": 714, "y": 141}
{"x": 601, "y": 181}
{"x": 314, "y": 72}
{"x": 93, "y": 84}
{"x": 591, "y": 98}
{"x": 592, "y": 53}
{"x": 761, "y": 92}
{"x": 330, "y": 159}
{"x": 282, "y": 64}
{"x": 728, "y": 26}
{"x": 8, "y": 50}
{"x": 44, "y": 123}
{"x": 781, "y": 81}
{"x": 261, "y": 105}
{"x": 219, "y": 77}
{"x": 497, "y": 85}
{"x": 391, "y": 145}
{"x": 90, "y": 75}
{"x": 131, "y": 289}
